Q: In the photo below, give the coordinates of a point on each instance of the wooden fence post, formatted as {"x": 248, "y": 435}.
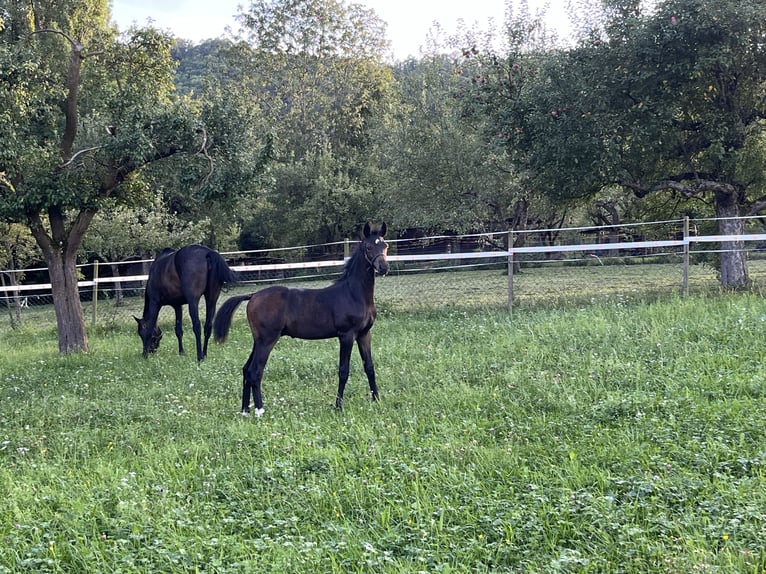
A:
{"x": 510, "y": 271}
{"x": 94, "y": 301}
{"x": 686, "y": 256}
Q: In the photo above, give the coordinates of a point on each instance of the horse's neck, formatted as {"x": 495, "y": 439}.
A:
{"x": 360, "y": 277}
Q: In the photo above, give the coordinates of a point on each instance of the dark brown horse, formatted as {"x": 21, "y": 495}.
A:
{"x": 344, "y": 310}
{"x": 179, "y": 278}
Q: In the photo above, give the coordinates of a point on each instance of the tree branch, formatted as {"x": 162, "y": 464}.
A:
{"x": 59, "y": 32}
{"x": 757, "y": 206}
{"x": 82, "y": 151}
{"x": 203, "y": 151}
{"x": 6, "y": 182}
{"x": 686, "y": 184}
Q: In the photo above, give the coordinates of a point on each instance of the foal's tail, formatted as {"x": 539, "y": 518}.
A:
{"x": 222, "y": 321}
{"x": 218, "y": 269}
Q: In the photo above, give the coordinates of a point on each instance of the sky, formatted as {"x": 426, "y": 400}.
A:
{"x": 408, "y": 21}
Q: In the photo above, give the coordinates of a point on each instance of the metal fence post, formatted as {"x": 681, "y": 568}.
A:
{"x": 686, "y": 256}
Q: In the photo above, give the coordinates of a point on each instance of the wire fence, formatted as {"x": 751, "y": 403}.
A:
{"x": 519, "y": 270}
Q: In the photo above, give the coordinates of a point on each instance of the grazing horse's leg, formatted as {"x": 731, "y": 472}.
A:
{"x": 346, "y": 345}
{"x": 363, "y": 341}
{"x": 210, "y": 301}
{"x": 252, "y": 374}
{"x": 194, "y": 314}
{"x": 179, "y": 327}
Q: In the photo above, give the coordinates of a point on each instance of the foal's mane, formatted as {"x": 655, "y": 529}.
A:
{"x": 350, "y": 267}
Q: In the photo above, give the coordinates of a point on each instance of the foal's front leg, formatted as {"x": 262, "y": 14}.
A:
{"x": 346, "y": 344}
{"x": 364, "y": 342}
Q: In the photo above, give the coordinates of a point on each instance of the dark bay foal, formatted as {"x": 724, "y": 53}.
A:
{"x": 344, "y": 310}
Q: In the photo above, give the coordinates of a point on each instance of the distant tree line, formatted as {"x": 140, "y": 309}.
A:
{"x": 299, "y": 128}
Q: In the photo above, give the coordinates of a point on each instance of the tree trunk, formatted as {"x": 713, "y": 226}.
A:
{"x": 66, "y": 302}
{"x": 733, "y": 256}
{"x": 117, "y": 285}
{"x": 614, "y": 231}
{"x": 60, "y": 252}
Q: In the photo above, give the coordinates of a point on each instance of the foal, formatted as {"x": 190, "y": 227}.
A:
{"x": 344, "y": 310}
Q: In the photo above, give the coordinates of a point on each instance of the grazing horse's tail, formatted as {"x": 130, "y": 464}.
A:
{"x": 218, "y": 269}
{"x": 222, "y": 321}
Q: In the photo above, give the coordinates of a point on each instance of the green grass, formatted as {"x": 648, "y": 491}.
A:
{"x": 622, "y": 437}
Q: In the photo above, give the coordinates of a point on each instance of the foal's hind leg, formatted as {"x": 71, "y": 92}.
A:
{"x": 252, "y": 374}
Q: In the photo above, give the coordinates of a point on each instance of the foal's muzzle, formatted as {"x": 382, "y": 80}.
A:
{"x": 380, "y": 264}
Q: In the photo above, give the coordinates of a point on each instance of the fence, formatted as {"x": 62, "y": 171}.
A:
{"x": 528, "y": 269}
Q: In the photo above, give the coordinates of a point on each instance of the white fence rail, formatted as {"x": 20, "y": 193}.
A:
{"x": 501, "y": 252}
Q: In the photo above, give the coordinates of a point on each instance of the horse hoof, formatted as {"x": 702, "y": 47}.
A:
{"x": 259, "y": 412}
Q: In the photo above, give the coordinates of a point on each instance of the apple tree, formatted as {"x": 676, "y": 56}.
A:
{"x": 665, "y": 98}
{"x": 84, "y": 112}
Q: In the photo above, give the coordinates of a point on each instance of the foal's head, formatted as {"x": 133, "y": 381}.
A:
{"x": 375, "y": 248}
{"x": 151, "y": 340}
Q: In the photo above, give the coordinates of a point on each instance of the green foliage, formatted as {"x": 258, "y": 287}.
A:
{"x": 612, "y": 438}
{"x": 315, "y": 71}
{"x": 440, "y": 173}
{"x": 645, "y": 98}
{"x": 314, "y": 200}
{"x": 197, "y": 63}
{"x": 667, "y": 99}
{"x": 18, "y": 246}
{"x": 120, "y": 233}
{"x": 88, "y": 118}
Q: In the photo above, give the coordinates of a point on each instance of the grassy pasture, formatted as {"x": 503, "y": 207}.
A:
{"x": 618, "y": 437}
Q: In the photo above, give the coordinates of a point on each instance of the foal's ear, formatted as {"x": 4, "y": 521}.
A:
{"x": 367, "y": 229}
{"x": 137, "y": 319}
{"x": 382, "y": 231}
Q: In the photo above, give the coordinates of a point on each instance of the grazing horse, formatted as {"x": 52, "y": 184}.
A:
{"x": 344, "y": 310}
{"x": 178, "y": 278}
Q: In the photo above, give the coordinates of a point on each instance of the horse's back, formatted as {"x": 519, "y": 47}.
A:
{"x": 192, "y": 258}
{"x": 204, "y": 268}
{"x": 176, "y": 273}
{"x": 192, "y": 265}
{"x": 266, "y": 312}
{"x": 305, "y": 313}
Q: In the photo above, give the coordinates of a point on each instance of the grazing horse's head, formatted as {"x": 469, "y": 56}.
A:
{"x": 151, "y": 339}
{"x": 375, "y": 248}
